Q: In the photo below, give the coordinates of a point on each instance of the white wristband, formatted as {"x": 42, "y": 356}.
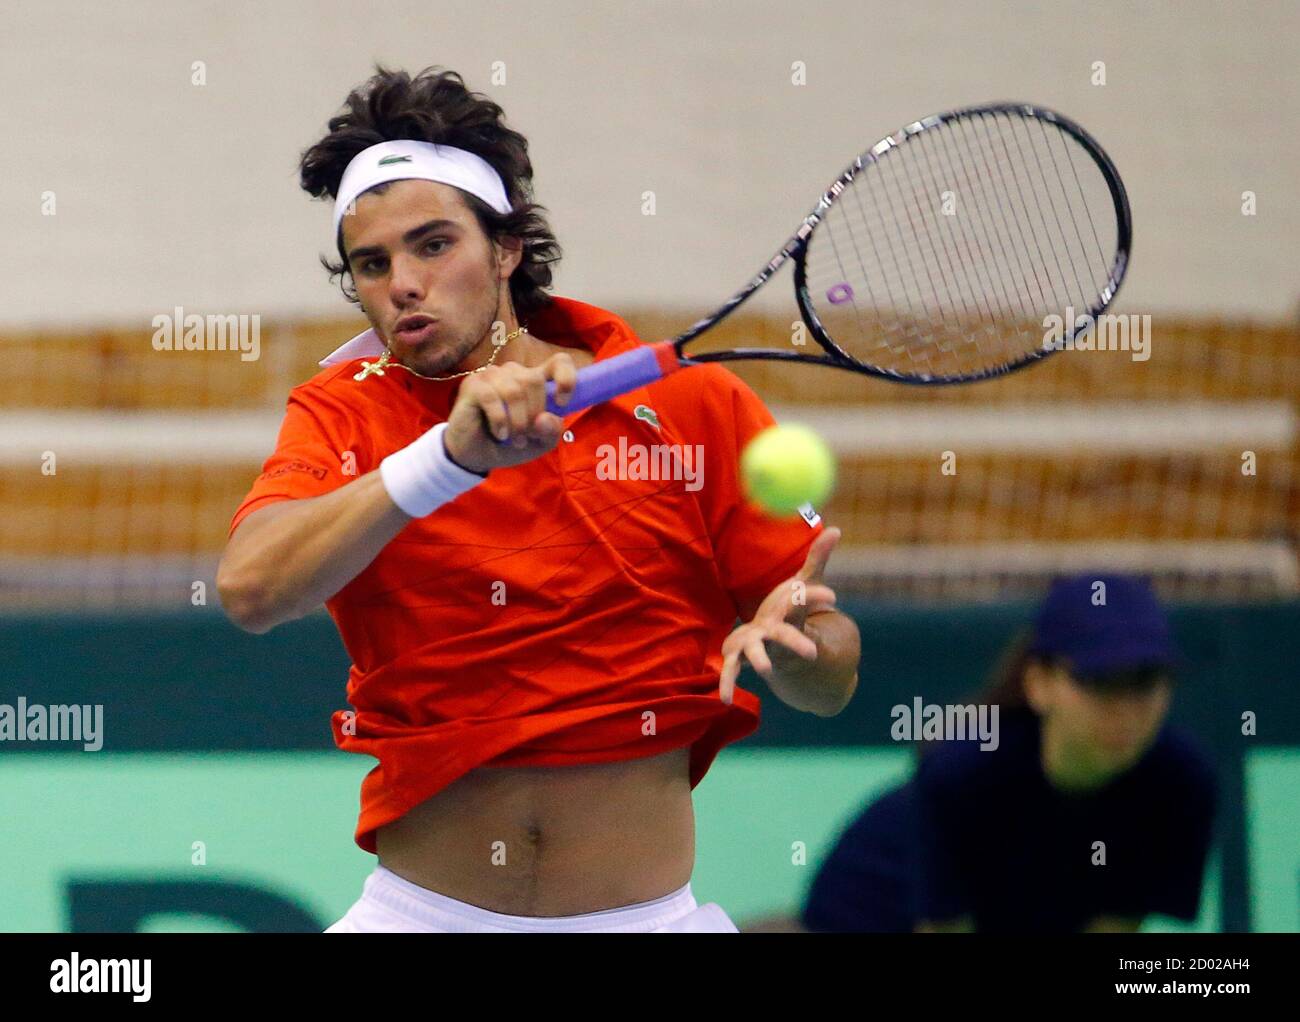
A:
{"x": 421, "y": 477}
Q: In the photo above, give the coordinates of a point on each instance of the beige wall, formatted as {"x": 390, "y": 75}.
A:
{"x": 173, "y": 194}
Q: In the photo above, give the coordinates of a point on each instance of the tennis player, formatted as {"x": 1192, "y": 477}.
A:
{"x": 541, "y": 612}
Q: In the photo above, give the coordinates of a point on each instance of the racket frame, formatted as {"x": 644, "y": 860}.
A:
{"x": 796, "y": 248}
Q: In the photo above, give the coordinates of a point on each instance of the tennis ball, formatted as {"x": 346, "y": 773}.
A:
{"x": 785, "y": 466}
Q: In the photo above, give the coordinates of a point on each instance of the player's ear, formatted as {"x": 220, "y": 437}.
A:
{"x": 1038, "y": 686}
{"x": 510, "y": 253}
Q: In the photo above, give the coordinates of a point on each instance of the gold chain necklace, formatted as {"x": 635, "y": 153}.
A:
{"x": 385, "y": 361}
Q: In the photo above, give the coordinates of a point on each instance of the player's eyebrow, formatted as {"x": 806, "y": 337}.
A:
{"x": 411, "y": 236}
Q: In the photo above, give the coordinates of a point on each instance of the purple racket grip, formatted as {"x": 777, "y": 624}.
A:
{"x": 615, "y": 376}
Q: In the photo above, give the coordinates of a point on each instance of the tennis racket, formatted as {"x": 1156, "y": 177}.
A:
{"x": 937, "y": 257}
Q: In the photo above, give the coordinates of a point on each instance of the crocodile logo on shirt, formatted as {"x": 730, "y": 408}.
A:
{"x": 646, "y": 414}
{"x": 394, "y": 159}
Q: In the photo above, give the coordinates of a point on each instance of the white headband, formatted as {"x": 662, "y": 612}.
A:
{"x": 404, "y": 159}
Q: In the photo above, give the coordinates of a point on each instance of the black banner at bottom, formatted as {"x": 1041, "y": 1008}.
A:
{"x": 149, "y": 971}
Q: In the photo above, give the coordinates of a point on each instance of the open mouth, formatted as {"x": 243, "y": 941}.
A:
{"x": 414, "y": 329}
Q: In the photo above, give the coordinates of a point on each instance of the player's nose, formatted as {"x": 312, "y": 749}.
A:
{"x": 405, "y": 282}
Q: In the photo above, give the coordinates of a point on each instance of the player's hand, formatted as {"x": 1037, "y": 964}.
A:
{"x": 509, "y": 401}
{"x": 774, "y": 641}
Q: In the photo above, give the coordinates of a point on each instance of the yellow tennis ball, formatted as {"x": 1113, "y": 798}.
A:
{"x": 786, "y": 466}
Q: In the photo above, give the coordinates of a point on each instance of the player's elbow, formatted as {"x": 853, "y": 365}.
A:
{"x": 243, "y": 600}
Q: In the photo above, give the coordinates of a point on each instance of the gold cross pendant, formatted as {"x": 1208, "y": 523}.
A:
{"x": 372, "y": 368}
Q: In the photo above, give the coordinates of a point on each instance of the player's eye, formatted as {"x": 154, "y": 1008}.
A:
{"x": 437, "y": 241}
{"x": 370, "y": 267}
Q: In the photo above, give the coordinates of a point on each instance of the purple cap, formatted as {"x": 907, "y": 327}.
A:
{"x": 1104, "y": 624}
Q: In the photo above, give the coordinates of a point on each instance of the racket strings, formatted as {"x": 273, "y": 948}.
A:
{"x": 975, "y": 291}
{"x": 951, "y": 252}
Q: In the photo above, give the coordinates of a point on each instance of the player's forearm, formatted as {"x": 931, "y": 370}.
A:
{"x": 823, "y": 686}
{"x": 288, "y": 558}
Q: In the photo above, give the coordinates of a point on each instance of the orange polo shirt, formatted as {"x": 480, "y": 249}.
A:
{"x": 550, "y": 615}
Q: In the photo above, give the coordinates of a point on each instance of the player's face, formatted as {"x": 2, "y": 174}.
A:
{"x": 416, "y": 250}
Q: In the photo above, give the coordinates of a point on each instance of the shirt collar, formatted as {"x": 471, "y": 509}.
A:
{"x": 363, "y": 345}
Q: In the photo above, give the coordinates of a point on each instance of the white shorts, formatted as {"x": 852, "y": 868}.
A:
{"x": 390, "y": 904}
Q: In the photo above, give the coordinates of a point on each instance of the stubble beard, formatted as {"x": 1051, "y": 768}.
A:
{"x": 443, "y": 357}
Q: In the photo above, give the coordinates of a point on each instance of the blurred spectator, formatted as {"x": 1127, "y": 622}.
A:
{"x": 1091, "y": 813}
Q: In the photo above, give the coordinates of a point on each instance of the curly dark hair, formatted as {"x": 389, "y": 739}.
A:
{"x": 435, "y": 106}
